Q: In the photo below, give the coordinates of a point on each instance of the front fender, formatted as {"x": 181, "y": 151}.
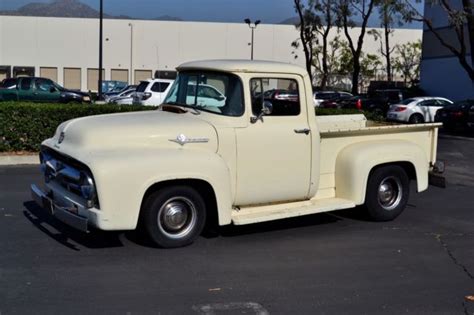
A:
{"x": 122, "y": 178}
{"x": 354, "y": 163}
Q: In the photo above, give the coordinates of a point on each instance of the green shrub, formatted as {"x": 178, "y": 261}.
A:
{"x": 23, "y": 126}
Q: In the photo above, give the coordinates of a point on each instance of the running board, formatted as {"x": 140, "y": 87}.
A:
{"x": 247, "y": 215}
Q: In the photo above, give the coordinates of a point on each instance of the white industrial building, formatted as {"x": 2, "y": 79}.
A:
{"x": 66, "y": 49}
{"x": 441, "y": 72}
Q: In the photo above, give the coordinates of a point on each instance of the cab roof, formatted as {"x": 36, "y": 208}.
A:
{"x": 244, "y": 66}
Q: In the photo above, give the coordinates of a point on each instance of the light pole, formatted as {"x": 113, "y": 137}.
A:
{"x": 101, "y": 18}
{"x": 131, "y": 52}
{"x": 252, "y": 26}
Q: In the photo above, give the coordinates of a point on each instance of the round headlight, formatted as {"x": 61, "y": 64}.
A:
{"x": 88, "y": 187}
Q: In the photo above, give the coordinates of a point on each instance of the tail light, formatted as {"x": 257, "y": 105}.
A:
{"x": 359, "y": 104}
{"x": 400, "y": 108}
{"x": 146, "y": 96}
{"x": 458, "y": 114}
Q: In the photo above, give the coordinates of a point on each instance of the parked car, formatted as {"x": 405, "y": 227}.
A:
{"x": 457, "y": 116}
{"x": 124, "y": 98}
{"x": 281, "y": 94}
{"x": 110, "y": 86}
{"x": 42, "y": 90}
{"x": 322, "y": 96}
{"x": 112, "y": 94}
{"x": 9, "y": 83}
{"x": 334, "y": 102}
{"x": 152, "y": 92}
{"x": 363, "y": 102}
{"x": 170, "y": 172}
{"x": 417, "y": 110}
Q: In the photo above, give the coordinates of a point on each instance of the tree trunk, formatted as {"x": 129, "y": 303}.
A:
{"x": 468, "y": 7}
{"x": 387, "y": 47}
{"x": 324, "y": 79}
{"x": 355, "y": 76}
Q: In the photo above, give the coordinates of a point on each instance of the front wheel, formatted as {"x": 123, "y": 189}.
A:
{"x": 387, "y": 193}
{"x": 173, "y": 216}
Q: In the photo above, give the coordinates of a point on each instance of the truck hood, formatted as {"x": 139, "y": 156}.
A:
{"x": 146, "y": 129}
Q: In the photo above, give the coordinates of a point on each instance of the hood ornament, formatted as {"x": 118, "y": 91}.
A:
{"x": 182, "y": 140}
{"x": 61, "y": 137}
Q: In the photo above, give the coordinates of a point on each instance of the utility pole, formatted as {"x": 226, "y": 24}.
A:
{"x": 131, "y": 52}
{"x": 252, "y": 26}
{"x": 101, "y": 18}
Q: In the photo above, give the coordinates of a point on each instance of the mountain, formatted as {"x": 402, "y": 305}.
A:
{"x": 56, "y": 8}
{"x": 68, "y": 8}
{"x": 291, "y": 21}
{"x": 167, "y": 18}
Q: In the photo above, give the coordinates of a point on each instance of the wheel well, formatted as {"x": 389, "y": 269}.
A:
{"x": 202, "y": 187}
{"x": 417, "y": 114}
{"x": 408, "y": 167}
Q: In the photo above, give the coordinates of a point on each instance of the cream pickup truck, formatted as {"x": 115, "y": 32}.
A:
{"x": 235, "y": 142}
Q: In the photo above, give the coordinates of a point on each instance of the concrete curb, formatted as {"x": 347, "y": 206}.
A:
{"x": 19, "y": 160}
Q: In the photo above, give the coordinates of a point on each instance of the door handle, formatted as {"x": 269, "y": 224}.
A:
{"x": 306, "y": 131}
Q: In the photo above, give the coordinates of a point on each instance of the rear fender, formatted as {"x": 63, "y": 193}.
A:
{"x": 355, "y": 162}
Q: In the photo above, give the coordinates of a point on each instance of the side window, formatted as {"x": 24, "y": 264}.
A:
{"x": 43, "y": 85}
{"x": 160, "y": 87}
{"x": 25, "y": 84}
{"x": 427, "y": 103}
{"x": 282, "y": 93}
{"x": 442, "y": 103}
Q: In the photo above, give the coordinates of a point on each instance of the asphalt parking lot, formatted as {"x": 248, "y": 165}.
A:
{"x": 336, "y": 263}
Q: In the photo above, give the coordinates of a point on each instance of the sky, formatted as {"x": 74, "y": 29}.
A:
{"x": 269, "y": 11}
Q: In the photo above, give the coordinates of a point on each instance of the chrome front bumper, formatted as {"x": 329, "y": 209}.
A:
{"x": 64, "y": 214}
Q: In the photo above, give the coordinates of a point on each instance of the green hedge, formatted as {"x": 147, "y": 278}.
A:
{"x": 23, "y": 126}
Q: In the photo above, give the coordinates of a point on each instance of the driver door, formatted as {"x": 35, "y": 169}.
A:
{"x": 45, "y": 91}
{"x": 274, "y": 154}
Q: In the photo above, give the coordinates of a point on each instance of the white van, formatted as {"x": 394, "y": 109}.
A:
{"x": 152, "y": 92}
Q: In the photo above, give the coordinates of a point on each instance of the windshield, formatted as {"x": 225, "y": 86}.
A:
{"x": 218, "y": 93}
{"x": 60, "y": 88}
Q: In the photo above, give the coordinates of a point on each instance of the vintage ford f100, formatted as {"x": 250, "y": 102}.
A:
{"x": 254, "y": 151}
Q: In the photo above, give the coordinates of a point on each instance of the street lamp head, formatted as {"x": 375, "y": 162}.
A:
{"x": 257, "y": 22}
{"x": 247, "y": 21}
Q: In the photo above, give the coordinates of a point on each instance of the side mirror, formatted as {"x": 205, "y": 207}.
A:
{"x": 52, "y": 89}
{"x": 267, "y": 109}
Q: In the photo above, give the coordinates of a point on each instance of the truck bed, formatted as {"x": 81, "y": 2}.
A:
{"x": 338, "y": 132}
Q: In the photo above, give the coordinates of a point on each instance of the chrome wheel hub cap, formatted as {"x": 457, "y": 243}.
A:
{"x": 390, "y": 193}
{"x": 177, "y": 217}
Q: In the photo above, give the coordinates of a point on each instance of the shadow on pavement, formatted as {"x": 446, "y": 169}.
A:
{"x": 66, "y": 235}
{"x": 464, "y": 133}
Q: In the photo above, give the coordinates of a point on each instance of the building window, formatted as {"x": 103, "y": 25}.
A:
{"x": 93, "y": 79}
{"x": 49, "y": 73}
{"x": 72, "y": 78}
{"x": 142, "y": 75}
{"x": 119, "y": 75}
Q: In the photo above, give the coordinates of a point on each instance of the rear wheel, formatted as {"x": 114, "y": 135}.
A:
{"x": 387, "y": 193}
{"x": 416, "y": 119}
{"x": 173, "y": 216}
